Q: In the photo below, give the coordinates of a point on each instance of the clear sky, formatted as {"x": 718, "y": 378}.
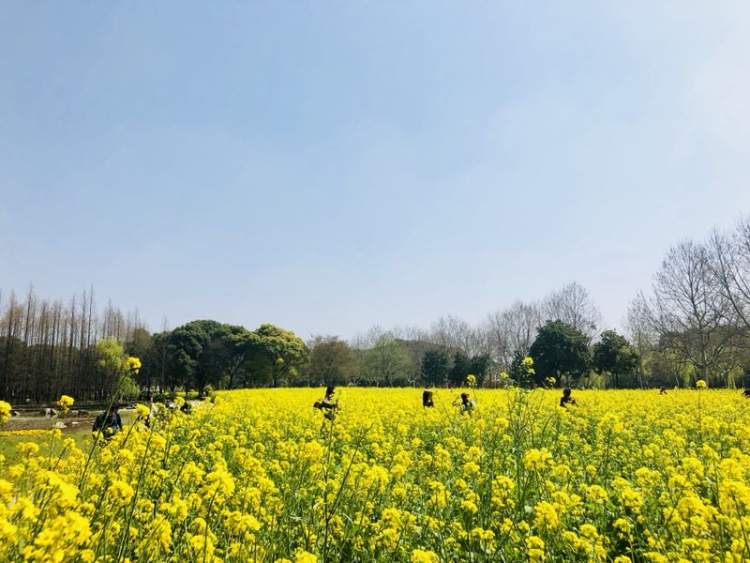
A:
{"x": 329, "y": 166}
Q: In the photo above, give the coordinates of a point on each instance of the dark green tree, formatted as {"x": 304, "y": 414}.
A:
{"x": 279, "y": 354}
{"x": 139, "y": 343}
{"x": 188, "y": 367}
{"x": 479, "y": 366}
{"x": 522, "y": 369}
{"x": 243, "y": 349}
{"x": 613, "y": 355}
{"x": 197, "y": 354}
{"x": 560, "y": 351}
{"x": 224, "y": 355}
{"x": 460, "y": 369}
{"x": 154, "y": 372}
{"x": 435, "y": 367}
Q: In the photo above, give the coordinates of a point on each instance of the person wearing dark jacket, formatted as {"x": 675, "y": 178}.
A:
{"x": 427, "y": 401}
{"x": 329, "y": 404}
{"x": 109, "y": 422}
{"x": 465, "y": 404}
{"x": 566, "y": 399}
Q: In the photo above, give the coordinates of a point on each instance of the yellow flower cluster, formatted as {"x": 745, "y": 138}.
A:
{"x": 133, "y": 363}
{"x": 262, "y": 476}
{"x": 5, "y": 409}
{"x": 65, "y": 402}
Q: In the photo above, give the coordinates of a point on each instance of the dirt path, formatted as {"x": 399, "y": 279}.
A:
{"x": 64, "y": 423}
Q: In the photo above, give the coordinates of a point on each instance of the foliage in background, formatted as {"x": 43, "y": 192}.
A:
{"x": 693, "y": 323}
{"x": 332, "y": 362}
{"x": 614, "y": 356}
{"x": 560, "y": 351}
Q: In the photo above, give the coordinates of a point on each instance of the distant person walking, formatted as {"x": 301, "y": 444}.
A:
{"x": 427, "y": 401}
{"x": 109, "y": 422}
{"x": 566, "y": 398}
{"x": 329, "y": 404}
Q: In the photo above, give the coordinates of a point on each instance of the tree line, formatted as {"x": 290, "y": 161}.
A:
{"x": 693, "y": 323}
{"x": 49, "y": 347}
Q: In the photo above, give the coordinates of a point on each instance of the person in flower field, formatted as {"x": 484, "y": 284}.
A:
{"x": 465, "y": 404}
{"x": 328, "y": 403}
{"x": 566, "y": 398}
{"x": 109, "y": 422}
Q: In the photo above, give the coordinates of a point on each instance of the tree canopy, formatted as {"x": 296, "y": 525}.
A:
{"x": 614, "y": 356}
{"x": 560, "y": 351}
{"x": 435, "y": 367}
{"x": 332, "y": 361}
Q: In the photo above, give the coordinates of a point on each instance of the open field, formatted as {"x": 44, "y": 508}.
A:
{"x": 263, "y": 476}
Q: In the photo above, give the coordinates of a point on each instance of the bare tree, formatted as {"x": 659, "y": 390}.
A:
{"x": 410, "y": 332}
{"x": 367, "y": 339}
{"x": 454, "y": 332}
{"x": 731, "y": 261}
{"x": 689, "y": 310}
{"x": 47, "y": 348}
{"x": 640, "y": 331}
{"x": 573, "y": 305}
{"x": 512, "y": 331}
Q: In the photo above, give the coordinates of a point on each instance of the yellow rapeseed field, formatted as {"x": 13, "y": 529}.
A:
{"x": 262, "y": 476}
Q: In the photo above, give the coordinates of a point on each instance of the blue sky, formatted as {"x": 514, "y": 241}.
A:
{"x": 329, "y": 166}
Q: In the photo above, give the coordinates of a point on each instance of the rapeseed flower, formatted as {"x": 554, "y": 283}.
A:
{"x": 628, "y": 474}
{"x": 5, "y": 409}
{"x": 65, "y": 402}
